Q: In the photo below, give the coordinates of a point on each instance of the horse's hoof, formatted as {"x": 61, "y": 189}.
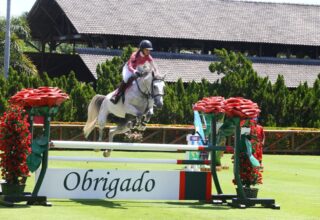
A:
{"x": 142, "y": 128}
{"x": 107, "y": 153}
{"x": 130, "y": 125}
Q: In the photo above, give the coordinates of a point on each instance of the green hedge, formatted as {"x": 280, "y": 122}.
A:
{"x": 280, "y": 106}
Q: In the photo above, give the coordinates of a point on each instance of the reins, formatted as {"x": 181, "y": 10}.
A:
{"x": 148, "y": 94}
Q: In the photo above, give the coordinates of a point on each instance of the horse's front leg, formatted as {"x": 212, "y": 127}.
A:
{"x": 148, "y": 115}
{"x": 145, "y": 119}
{"x": 139, "y": 121}
{"x": 133, "y": 116}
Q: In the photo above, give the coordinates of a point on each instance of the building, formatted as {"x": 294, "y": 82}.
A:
{"x": 278, "y": 38}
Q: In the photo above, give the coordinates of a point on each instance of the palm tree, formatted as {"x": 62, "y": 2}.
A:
{"x": 20, "y": 34}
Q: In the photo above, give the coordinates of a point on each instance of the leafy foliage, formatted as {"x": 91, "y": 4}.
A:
{"x": 15, "y": 141}
{"x": 20, "y": 34}
{"x": 280, "y": 106}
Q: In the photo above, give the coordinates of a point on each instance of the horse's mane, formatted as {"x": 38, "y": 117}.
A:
{"x": 147, "y": 69}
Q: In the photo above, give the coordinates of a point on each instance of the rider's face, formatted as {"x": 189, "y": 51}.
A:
{"x": 146, "y": 52}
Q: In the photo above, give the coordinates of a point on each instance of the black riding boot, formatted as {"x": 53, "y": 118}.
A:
{"x": 115, "y": 98}
{"x": 122, "y": 88}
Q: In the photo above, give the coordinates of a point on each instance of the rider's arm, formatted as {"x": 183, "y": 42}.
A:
{"x": 154, "y": 66}
{"x": 132, "y": 60}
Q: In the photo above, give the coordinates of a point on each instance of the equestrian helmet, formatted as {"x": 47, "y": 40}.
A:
{"x": 145, "y": 44}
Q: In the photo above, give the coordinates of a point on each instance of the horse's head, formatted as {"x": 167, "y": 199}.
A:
{"x": 156, "y": 81}
{"x": 158, "y": 86}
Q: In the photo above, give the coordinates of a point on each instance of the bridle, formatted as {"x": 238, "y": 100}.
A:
{"x": 150, "y": 94}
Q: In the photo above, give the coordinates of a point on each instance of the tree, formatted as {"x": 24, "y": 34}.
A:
{"x": 181, "y": 101}
{"x": 315, "y": 105}
{"x": 20, "y": 33}
{"x": 281, "y": 98}
{"x": 170, "y": 109}
{"x": 110, "y": 72}
{"x": 240, "y": 79}
{"x": 81, "y": 95}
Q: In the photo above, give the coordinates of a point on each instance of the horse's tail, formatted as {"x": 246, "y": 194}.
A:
{"x": 93, "y": 111}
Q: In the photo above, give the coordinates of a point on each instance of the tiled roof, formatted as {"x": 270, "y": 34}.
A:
{"x": 293, "y": 73}
{"x": 190, "y": 67}
{"x": 218, "y": 20}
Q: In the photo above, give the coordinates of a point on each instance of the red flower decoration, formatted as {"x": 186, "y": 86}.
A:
{"x": 232, "y": 107}
{"x": 212, "y": 104}
{"x": 43, "y": 96}
{"x": 241, "y": 107}
{"x": 15, "y": 141}
{"x": 250, "y": 175}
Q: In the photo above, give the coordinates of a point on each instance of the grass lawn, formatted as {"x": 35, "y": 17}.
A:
{"x": 293, "y": 181}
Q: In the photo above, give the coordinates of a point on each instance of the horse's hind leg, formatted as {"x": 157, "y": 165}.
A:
{"x": 101, "y": 132}
{"x": 120, "y": 129}
{"x": 112, "y": 133}
{"x": 102, "y": 120}
{"x": 107, "y": 152}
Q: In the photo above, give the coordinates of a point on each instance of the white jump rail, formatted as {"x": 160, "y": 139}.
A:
{"x": 128, "y": 160}
{"x": 126, "y": 146}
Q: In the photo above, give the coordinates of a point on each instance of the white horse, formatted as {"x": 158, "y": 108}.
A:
{"x": 134, "y": 109}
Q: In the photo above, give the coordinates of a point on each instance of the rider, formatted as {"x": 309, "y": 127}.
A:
{"x": 130, "y": 72}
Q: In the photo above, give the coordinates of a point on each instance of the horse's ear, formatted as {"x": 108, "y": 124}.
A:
{"x": 164, "y": 76}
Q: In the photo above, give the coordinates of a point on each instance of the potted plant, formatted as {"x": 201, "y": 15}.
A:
{"x": 15, "y": 141}
{"x": 251, "y": 175}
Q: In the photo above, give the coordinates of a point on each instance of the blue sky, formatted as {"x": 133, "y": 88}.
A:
{"x": 20, "y": 6}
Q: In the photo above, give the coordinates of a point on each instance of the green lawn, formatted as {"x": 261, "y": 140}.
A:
{"x": 294, "y": 181}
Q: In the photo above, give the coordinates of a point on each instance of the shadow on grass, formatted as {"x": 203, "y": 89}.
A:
{"x": 127, "y": 204}
{"x": 200, "y": 205}
{"x": 102, "y": 203}
{"x": 21, "y": 205}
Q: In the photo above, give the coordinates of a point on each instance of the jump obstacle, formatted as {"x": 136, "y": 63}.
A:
{"x": 129, "y": 160}
{"x": 183, "y": 185}
{"x": 129, "y": 146}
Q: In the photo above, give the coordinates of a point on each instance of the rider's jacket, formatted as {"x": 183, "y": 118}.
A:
{"x": 137, "y": 59}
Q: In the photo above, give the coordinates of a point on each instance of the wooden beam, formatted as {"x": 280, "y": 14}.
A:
{"x": 151, "y": 135}
{"x": 307, "y": 142}
{"x": 277, "y": 141}
{"x": 178, "y": 139}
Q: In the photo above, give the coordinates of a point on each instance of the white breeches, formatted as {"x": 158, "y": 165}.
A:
{"x": 126, "y": 74}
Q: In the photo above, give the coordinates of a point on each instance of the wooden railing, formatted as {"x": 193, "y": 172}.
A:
{"x": 292, "y": 141}
{"x": 277, "y": 141}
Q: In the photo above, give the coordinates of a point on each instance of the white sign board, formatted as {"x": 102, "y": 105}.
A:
{"x": 110, "y": 184}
